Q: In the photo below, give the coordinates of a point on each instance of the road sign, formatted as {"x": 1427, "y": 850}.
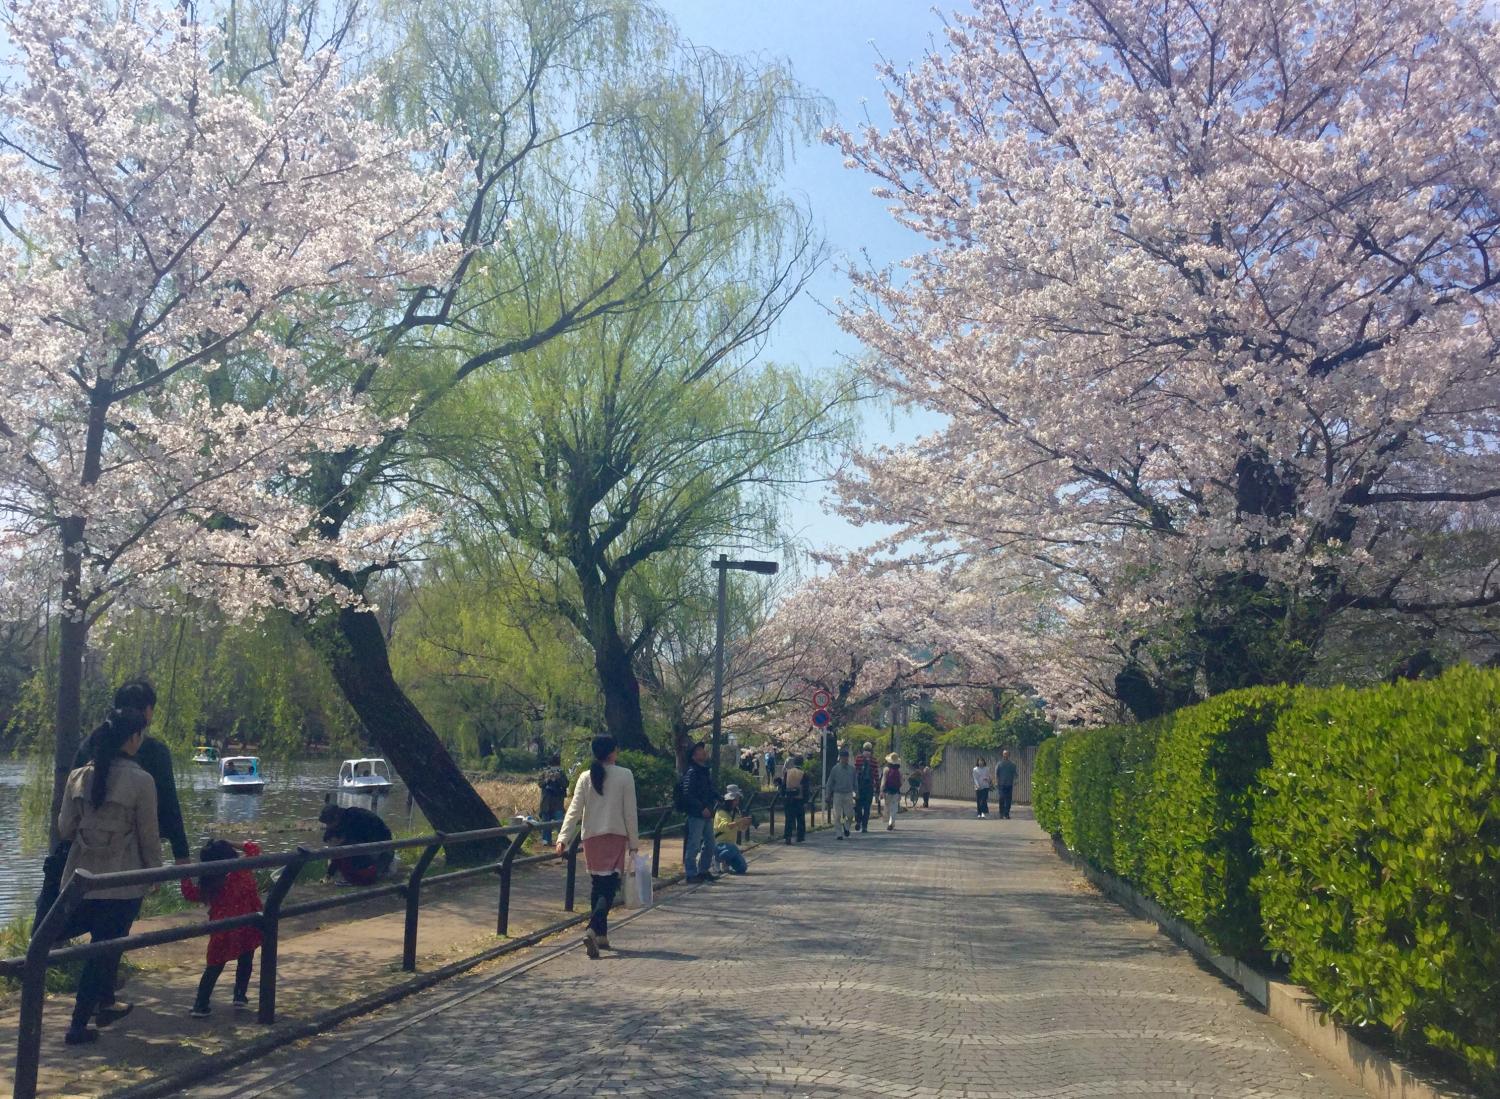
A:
{"x": 820, "y": 717}
{"x": 821, "y": 699}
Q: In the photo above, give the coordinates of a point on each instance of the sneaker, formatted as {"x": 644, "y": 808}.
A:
{"x": 80, "y": 1036}
{"x": 591, "y": 944}
{"x": 112, "y": 1014}
{"x": 242, "y": 1003}
{"x": 603, "y": 942}
{"x": 890, "y": 827}
{"x": 846, "y": 831}
{"x": 201, "y": 1011}
{"x": 839, "y": 836}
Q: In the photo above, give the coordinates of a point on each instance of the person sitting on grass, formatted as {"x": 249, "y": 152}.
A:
{"x": 729, "y": 821}
{"x": 347, "y": 827}
{"x": 227, "y": 894}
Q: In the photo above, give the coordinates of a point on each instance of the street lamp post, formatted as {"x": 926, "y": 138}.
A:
{"x": 723, "y": 565}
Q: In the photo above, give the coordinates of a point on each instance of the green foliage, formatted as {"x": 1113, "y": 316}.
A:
{"x": 1379, "y": 827}
{"x": 1199, "y": 858}
{"x": 1021, "y": 726}
{"x": 1130, "y": 801}
{"x": 654, "y": 778}
{"x": 1085, "y": 794}
{"x": 513, "y": 761}
{"x": 1044, "y": 781}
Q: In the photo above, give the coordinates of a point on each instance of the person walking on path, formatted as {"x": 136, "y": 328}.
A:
{"x": 227, "y": 894}
{"x": 696, "y": 799}
{"x": 603, "y": 811}
{"x": 866, "y": 779}
{"x": 796, "y": 784}
{"x": 926, "y": 785}
{"x": 840, "y": 794}
{"x": 892, "y": 787}
{"x": 109, "y": 814}
{"x": 981, "y": 789}
{"x": 1005, "y": 779}
{"x": 554, "y": 787}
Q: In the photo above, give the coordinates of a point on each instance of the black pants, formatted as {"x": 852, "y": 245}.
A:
{"x": 242, "y": 967}
{"x": 862, "y": 802}
{"x": 601, "y": 897}
{"x": 982, "y": 800}
{"x": 1005, "y": 796}
{"x": 101, "y": 919}
{"x": 796, "y": 820}
{"x": 926, "y": 797}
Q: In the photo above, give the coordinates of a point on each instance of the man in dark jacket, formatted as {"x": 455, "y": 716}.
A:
{"x": 554, "y": 786}
{"x": 866, "y": 777}
{"x": 347, "y": 827}
{"x": 1005, "y": 778}
{"x": 696, "y": 797}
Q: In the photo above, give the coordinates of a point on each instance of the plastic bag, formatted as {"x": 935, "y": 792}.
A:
{"x": 639, "y": 893}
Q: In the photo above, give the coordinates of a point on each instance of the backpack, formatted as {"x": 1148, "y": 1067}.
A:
{"x": 554, "y": 782}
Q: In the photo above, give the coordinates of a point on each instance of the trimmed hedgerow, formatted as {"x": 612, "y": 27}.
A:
{"x": 1085, "y": 793}
{"x": 1131, "y": 800}
{"x": 1198, "y": 854}
{"x": 1044, "y": 775}
{"x": 1379, "y": 829}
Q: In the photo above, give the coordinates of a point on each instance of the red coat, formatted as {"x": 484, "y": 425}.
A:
{"x": 236, "y": 896}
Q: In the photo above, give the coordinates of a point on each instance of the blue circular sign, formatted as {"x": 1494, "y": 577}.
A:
{"x": 820, "y": 718}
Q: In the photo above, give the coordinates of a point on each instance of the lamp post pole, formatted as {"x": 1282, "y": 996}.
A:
{"x": 722, "y": 566}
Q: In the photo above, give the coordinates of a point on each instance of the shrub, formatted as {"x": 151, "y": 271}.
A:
{"x": 1085, "y": 788}
{"x": 1130, "y": 807}
{"x": 1199, "y": 858}
{"x": 1044, "y": 776}
{"x": 654, "y": 778}
{"x": 513, "y": 761}
{"x": 1379, "y": 827}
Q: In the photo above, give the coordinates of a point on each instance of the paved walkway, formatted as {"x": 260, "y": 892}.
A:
{"x": 955, "y": 957}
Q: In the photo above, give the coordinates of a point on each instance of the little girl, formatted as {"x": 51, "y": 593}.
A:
{"x": 231, "y": 894}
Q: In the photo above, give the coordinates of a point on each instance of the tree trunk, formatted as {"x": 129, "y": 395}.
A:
{"x": 361, "y": 667}
{"x": 73, "y": 636}
{"x": 622, "y": 694}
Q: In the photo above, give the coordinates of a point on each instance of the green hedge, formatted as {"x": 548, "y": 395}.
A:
{"x": 1355, "y": 833}
{"x": 1044, "y": 775}
{"x": 1085, "y": 791}
{"x": 1380, "y": 831}
{"x": 1199, "y": 858}
{"x": 655, "y": 778}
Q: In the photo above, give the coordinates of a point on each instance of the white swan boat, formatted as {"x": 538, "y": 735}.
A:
{"x": 205, "y": 753}
{"x": 241, "y": 775}
{"x": 365, "y": 776}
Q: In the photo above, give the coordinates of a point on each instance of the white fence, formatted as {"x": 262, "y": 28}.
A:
{"x": 954, "y": 779}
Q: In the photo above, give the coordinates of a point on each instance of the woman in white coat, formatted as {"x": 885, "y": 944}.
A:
{"x": 603, "y": 809}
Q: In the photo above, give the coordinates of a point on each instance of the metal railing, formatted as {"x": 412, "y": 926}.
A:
{"x": 41, "y": 955}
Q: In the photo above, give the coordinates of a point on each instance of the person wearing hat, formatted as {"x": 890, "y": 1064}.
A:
{"x": 729, "y": 822}
{"x": 866, "y": 781}
{"x": 892, "y": 787}
{"x": 841, "y": 794}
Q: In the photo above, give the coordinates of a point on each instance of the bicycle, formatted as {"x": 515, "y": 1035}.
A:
{"x": 911, "y": 796}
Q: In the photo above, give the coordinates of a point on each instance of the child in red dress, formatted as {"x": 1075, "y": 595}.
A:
{"x": 231, "y": 894}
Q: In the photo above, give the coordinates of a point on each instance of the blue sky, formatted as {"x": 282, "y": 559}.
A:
{"x": 833, "y": 47}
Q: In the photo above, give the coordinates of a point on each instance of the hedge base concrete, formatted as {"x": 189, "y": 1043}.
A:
{"x": 1292, "y": 1006}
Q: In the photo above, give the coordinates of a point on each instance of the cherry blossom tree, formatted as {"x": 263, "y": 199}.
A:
{"x": 162, "y": 233}
{"x": 1210, "y": 306}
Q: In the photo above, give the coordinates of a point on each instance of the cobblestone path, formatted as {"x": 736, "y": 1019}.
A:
{"x": 951, "y": 958}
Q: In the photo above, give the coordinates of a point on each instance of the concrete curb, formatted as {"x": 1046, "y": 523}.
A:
{"x": 1291, "y": 1006}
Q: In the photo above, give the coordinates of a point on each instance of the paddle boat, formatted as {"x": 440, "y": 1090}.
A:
{"x": 205, "y": 753}
{"x": 241, "y": 775}
{"x": 365, "y": 776}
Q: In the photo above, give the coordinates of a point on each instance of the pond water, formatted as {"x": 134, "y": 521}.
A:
{"x": 285, "y": 815}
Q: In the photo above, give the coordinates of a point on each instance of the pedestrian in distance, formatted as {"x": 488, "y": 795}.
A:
{"x": 696, "y": 799}
{"x": 891, "y": 785}
{"x": 109, "y": 815}
{"x": 729, "y": 822}
{"x": 227, "y": 893}
{"x": 866, "y": 782}
{"x": 796, "y": 785}
{"x": 603, "y": 811}
{"x": 926, "y": 785}
{"x": 1005, "y": 780}
{"x": 553, "y": 803}
{"x": 981, "y": 789}
{"x": 840, "y": 794}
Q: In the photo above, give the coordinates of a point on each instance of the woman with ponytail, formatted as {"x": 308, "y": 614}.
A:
{"x": 109, "y": 814}
{"x": 603, "y": 810}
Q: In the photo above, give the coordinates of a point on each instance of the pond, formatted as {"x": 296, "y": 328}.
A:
{"x": 285, "y": 815}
